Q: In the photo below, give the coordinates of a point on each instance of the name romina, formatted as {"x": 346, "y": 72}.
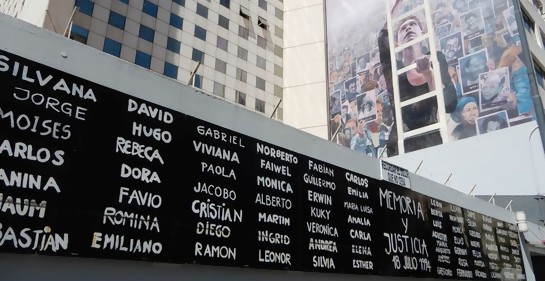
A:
{"x": 90, "y": 172}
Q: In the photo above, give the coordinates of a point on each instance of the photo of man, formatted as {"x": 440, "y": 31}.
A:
{"x": 471, "y": 66}
{"x": 494, "y": 88}
{"x": 492, "y": 122}
{"x": 442, "y": 30}
{"x": 451, "y": 46}
{"x": 472, "y": 23}
{"x": 350, "y": 89}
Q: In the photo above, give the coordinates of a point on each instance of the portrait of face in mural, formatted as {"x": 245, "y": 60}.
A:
{"x": 451, "y": 46}
{"x": 472, "y": 23}
{"x": 494, "y": 88}
{"x": 465, "y": 116}
{"x": 471, "y": 66}
{"x": 492, "y": 122}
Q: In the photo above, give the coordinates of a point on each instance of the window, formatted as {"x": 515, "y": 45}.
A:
{"x": 202, "y": 10}
{"x": 278, "y": 51}
{"x": 279, "y": 32}
{"x": 260, "y": 83}
{"x": 240, "y": 98}
{"x": 174, "y": 45}
{"x": 278, "y": 13}
{"x": 79, "y": 34}
{"x": 528, "y": 24}
{"x": 278, "y": 91}
{"x": 259, "y": 105}
{"x": 171, "y": 70}
{"x": 221, "y": 66}
{"x": 197, "y": 55}
{"x": 146, "y": 33}
{"x": 142, "y": 59}
{"x": 124, "y": 1}
{"x": 242, "y": 53}
{"x": 197, "y": 81}
{"x": 243, "y": 32}
{"x": 85, "y": 7}
{"x": 150, "y": 8}
{"x": 219, "y": 89}
{"x": 225, "y": 3}
{"x": 261, "y": 63}
{"x": 112, "y": 47}
{"x": 261, "y": 42}
{"x": 176, "y": 21}
{"x": 223, "y": 22}
{"x": 200, "y": 32}
{"x": 244, "y": 13}
{"x": 262, "y": 4}
{"x": 241, "y": 75}
{"x": 179, "y": 2}
{"x": 116, "y": 20}
{"x": 278, "y": 71}
{"x": 222, "y": 43}
{"x": 261, "y": 22}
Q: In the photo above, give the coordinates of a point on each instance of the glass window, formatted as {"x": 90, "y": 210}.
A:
{"x": 116, "y": 20}
{"x": 261, "y": 22}
{"x": 125, "y": 1}
{"x": 278, "y": 71}
{"x": 261, "y": 42}
{"x": 202, "y": 10}
{"x": 150, "y": 8}
{"x": 222, "y": 43}
{"x": 173, "y": 45}
{"x": 278, "y": 51}
{"x": 200, "y": 32}
{"x": 244, "y": 12}
{"x": 225, "y": 3}
{"x": 279, "y": 32}
{"x": 241, "y": 75}
{"x": 243, "y": 32}
{"x": 197, "y": 81}
{"x": 240, "y": 98}
{"x": 112, "y": 47}
{"x": 263, "y": 4}
{"x": 142, "y": 59}
{"x": 261, "y": 63}
{"x": 176, "y": 21}
{"x": 219, "y": 89}
{"x": 221, "y": 66}
{"x": 179, "y": 2}
{"x": 278, "y": 13}
{"x": 223, "y": 22}
{"x": 278, "y": 91}
{"x": 242, "y": 53}
{"x": 146, "y": 33}
{"x": 85, "y": 7}
{"x": 79, "y": 34}
{"x": 171, "y": 70}
{"x": 259, "y": 105}
{"x": 197, "y": 55}
{"x": 528, "y": 24}
{"x": 260, "y": 83}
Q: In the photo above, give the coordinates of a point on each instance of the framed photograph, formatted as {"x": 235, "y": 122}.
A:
{"x": 335, "y": 103}
{"x": 367, "y": 106}
{"x": 509, "y": 15}
{"x": 452, "y": 47}
{"x": 471, "y": 66}
{"x": 492, "y": 122}
{"x": 351, "y": 91}
{"x": 494, "y": 88}
{"x": 442, "y": 30}
{"x": 472, "y": 23}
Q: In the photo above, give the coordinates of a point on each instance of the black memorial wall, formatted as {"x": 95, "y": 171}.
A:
{"x": 88, "y": 171}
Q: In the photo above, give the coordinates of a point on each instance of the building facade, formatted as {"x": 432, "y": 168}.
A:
{"x": 232, "y": 49}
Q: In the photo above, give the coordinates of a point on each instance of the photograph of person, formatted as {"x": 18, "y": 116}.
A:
{"x": 460, "y": 6}
{"x": 361, "y": 141}
{"x": 472, "y": 23}
{"x": 451, "y": 46}
{"x": 494, "y": 88}
{"x": 470, "y": 67}
{"x": 465, "y": 117}
{"x": 345, "y": 112}
{"x": 492, "y": 122}
{"x": 442, "y": 30}
{"x": 509, "y": 15}
{"x": 335, "y": 103}
{"x": 487, "y": 13}
{"x": 350, "y": 88}
{"x": 362, "y": 62}
{"x": 441, "y": 13}
{"x": 367, "y": 104}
